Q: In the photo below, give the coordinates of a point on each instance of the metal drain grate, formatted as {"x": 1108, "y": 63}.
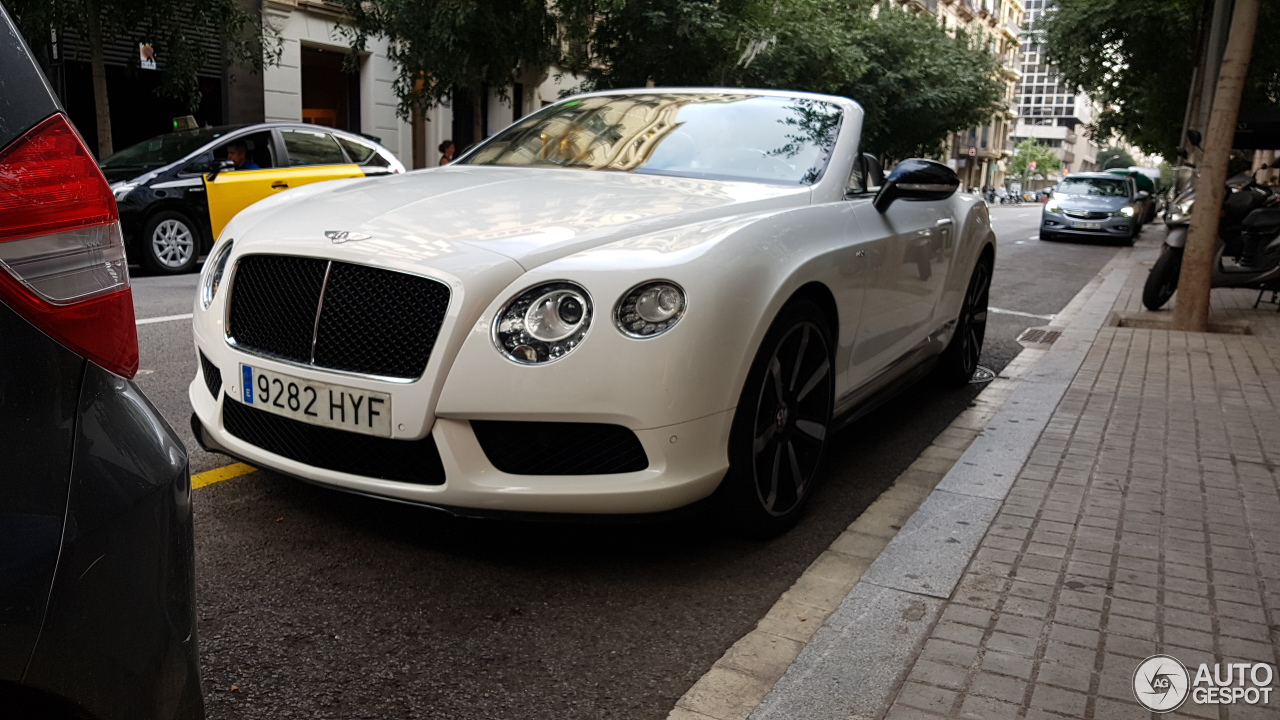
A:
{"x": 1039, "y": 336}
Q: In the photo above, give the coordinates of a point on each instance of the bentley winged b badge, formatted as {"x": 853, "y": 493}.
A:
{"x": 341, "y": 236}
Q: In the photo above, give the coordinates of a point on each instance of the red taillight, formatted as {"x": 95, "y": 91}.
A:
{"x": 61, "y": 251}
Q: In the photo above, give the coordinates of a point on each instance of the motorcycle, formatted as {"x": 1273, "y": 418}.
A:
{"x": 1248, "y": 254}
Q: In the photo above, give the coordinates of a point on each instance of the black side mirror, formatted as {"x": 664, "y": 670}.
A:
{"x": 220, "y": 166}
{"x": 917, "y": 179}
{"x": 1194, "y": 137}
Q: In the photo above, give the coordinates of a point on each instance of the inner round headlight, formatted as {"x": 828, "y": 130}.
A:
{"x": 543, "y": 323}
{"x": 211, "y": 277}
{"x": 650, "y": 309}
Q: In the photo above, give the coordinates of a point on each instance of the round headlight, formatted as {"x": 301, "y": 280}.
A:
{"x": 211, "y": 278}
{"x": 650, "y": 309}
{"x": 543, "y": 324}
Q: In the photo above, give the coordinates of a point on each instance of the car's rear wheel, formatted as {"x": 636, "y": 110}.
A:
{"x": 781, "y": 425}
{"x": 960, "y": 360}
{"x": 170, "y": 243}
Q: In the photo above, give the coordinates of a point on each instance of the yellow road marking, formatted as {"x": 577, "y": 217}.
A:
{"x": 210, "y": 477}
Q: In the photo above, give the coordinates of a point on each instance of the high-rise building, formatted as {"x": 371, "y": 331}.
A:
{"x": 1048, "y": 110}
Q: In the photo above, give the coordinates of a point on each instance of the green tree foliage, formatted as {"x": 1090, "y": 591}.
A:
{"x": 919, "y": 84}
{"x": 166, "y": 24}
{"x": 915, "y": 82}
{"x": 1115, "y": 157}
{"x": 1136, "y": 59}
{"x": 443, "y": 47}
{"x": 1047, "y": 164}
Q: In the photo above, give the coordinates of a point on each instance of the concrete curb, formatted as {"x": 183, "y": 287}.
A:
{"x": 856, "y": 662}
{"x": 837, "y": 643}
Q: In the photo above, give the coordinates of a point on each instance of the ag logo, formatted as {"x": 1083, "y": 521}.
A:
{"x": 1161, "y": 683}
{"x": 340, "y": 236}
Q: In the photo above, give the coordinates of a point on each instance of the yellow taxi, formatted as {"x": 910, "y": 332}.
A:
{"x": 177, "y": 191}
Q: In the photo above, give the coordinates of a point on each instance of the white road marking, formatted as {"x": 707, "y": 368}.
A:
{"x": 1019, "y": 242}
{"x": 166, "y": 318}
{"x": 1019, "y": 313}
{"x": 1034, "y": 237}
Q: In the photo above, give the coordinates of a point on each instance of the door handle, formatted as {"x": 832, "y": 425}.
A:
{"x": 279, "y": 185}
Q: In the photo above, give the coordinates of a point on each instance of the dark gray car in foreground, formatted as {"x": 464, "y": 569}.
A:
{"x": 1093, "y": 205}
{"x": 97, "y": 611}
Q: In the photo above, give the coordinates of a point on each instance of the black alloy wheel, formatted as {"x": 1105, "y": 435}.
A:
{"x": 960, "y": 360}
{"x": 782, "y": 423}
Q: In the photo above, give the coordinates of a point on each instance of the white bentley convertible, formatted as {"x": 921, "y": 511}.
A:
{"x": 623, "y": 303}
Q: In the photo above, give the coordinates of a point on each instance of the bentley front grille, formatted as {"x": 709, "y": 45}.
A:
{"x": 335, "y": 315}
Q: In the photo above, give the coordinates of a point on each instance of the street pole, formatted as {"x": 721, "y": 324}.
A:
{"x": 1192, "y": 310}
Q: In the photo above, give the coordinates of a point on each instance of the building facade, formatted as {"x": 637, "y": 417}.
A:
{"x": 979, "y": 155}
{"x": 1047, "y": 109}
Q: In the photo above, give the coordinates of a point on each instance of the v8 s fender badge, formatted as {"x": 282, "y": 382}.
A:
{"x": 340, "y": 236}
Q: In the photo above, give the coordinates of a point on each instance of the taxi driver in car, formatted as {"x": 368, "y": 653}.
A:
{"x": 238, "y": 154}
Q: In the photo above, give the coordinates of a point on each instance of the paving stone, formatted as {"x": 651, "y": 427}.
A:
{"x": 1002, "y": 687}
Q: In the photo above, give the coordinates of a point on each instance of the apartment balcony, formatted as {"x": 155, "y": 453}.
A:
{"x": 1068, "y": 157}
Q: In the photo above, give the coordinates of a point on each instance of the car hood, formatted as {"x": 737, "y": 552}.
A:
{"x": 530, "y": 215}
{"x": 1091, "y": 202}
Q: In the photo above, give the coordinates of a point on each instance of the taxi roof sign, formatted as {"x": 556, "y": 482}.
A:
{"x": 185, "y": 122}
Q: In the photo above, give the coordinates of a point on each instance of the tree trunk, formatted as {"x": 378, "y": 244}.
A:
{"x": 1192, "y": 310}
{"x": 477, "y": 118}
{"x": 93, "y": 26}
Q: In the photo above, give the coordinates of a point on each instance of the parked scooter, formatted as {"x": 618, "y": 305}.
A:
{"x": 1248, "y": 242}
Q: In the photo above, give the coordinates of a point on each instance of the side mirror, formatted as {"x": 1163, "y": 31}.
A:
{"x": 917, "y": 179}
{"x": 220, "y": 166}
{"x": 1144, "y": 194}
{"x": 1194, "y": 137}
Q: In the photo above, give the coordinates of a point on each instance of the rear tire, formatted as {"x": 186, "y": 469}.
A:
{"x": 1162, "y": 281}
{"x": 960, "y": 360}
{"x": 781, "y": 425}
{"x": 170, "y": 243}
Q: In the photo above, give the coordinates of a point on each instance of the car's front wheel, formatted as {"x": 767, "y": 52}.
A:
{"x": 170, "y": 243}
{"x": 782, "y": 422}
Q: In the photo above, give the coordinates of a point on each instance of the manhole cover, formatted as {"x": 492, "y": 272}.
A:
{"x": 982, "y": 375}
{"x": 1039, "y": 337}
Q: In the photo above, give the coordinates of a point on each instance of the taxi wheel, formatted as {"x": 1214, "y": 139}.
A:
{"x": 170, "y": 244}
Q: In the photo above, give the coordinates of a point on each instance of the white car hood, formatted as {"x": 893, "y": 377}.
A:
{"x": 530, "y": 215}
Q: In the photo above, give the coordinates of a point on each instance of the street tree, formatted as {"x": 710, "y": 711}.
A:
{"x": 1113, "y": 156}
{"x": 444, "y": 48}
{"x": 1135, "y": 58}
{"x": 1024, "y": 153}
{"x": 916, "y": 82}
{"x": 166, "y": 24}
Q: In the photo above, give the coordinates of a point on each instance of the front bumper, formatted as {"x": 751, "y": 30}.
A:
{"x": 686, "y": 462}
{"x": 1116, "y": 226}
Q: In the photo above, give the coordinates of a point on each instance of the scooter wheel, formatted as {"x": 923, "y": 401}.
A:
{"x": 1163, "y": 280}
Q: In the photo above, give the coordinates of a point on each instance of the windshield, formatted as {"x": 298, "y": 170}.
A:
{"x": 713, "y": 135}
{"x": 163, "y": 149}
{"x": 1105, "y": 187}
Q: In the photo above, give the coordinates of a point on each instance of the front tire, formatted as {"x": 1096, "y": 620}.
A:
{"x": 781, "y": 425}
{"x": 960, "y": 360}
{"x": 170, "y": 243}
{"x": 1162, "y": 281}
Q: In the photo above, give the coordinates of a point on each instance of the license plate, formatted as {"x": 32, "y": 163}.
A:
{"x": 317, "y": 403}
{"x": 1087, "y": 226}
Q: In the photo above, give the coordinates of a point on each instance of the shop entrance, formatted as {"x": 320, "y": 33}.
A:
{"x": 330, "y": 94}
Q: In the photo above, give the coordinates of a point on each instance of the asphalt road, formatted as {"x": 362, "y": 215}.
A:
{"x": 318, "y": 604}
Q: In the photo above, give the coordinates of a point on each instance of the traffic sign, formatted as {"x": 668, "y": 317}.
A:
{"x": 972, "y": 151}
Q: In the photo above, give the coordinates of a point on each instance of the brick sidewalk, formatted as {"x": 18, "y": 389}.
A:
{"x": 1146, "y": 520}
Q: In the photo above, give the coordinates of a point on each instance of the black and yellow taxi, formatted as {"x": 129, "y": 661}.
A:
{"x": 162, "y": 185}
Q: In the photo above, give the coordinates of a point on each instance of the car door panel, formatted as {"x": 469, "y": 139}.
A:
{"x": 232, "y": 191}
{"x": 909, "y": 256}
